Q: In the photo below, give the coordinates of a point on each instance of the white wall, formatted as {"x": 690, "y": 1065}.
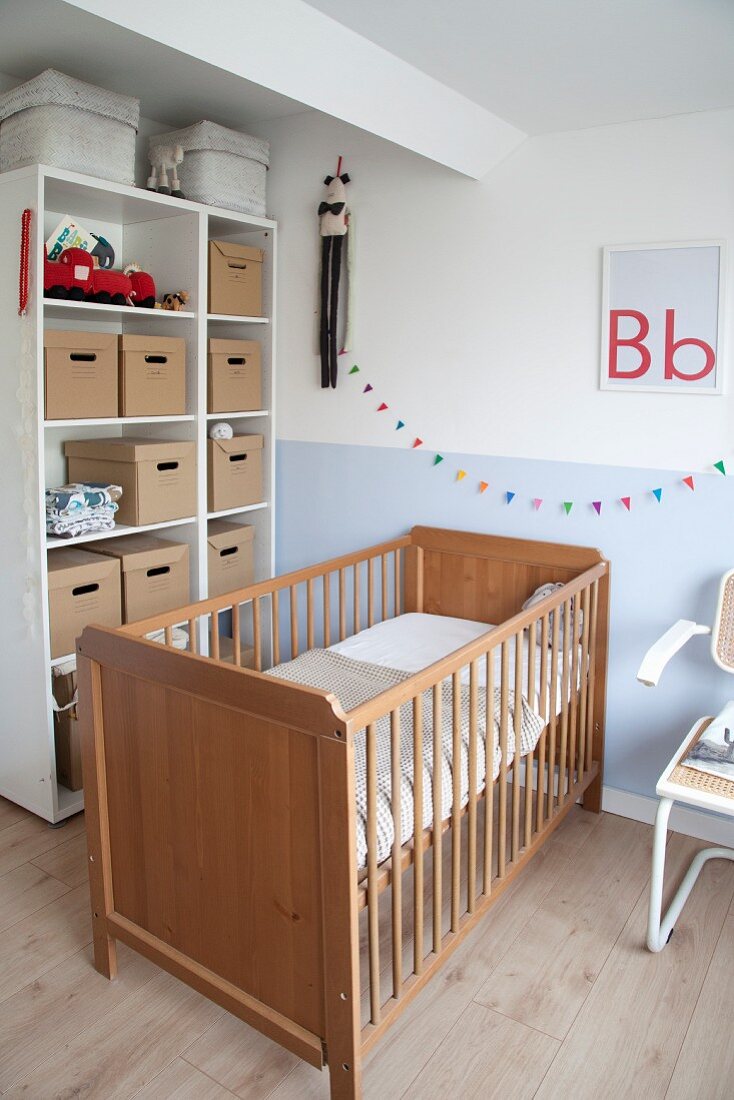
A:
{"x": 478, "y": 303}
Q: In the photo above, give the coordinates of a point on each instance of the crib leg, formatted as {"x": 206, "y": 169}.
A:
{"x": 592, "y": 796}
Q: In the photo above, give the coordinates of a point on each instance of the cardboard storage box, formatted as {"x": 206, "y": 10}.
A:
{"x": 235, "y": 279}
{"x": 230, "y": 556}
{"x": 66, "y": 732}
{"x": 80, "y": 371}
{"x": 155, "y": 573}
{"x": 83, "y": 588}
{"x": 226, "y": 651}
{"x": 152, "y": 375}
{"x": 158, "y": 476}
{"x": 234, "y": 474}
{"x": 235, "y": 376}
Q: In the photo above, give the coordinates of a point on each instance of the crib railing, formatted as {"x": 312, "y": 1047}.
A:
{"x": 460, "y": 861}
{"x": 274, "y": 620}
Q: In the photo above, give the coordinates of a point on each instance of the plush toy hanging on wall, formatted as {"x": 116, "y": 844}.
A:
{"x": 334, "y": 226}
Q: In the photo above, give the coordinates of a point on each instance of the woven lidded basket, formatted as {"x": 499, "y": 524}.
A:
{"x": 221, "y": 167}
{"x": 66, "y": 123}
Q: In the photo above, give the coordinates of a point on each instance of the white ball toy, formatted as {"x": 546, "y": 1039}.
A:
{"x": 221, "y": 430}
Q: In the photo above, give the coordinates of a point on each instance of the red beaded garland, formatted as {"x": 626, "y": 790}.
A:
{"x": 25, "y": 238}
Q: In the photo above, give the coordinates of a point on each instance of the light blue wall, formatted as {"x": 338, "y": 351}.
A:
{"x": 666, "y": 558}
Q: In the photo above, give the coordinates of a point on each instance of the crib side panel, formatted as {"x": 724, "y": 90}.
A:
{"x": 214, "y": 839}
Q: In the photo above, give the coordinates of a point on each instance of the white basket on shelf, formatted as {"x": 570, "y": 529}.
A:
{"x": 221, "y": 167}
{"x": 57, "y": 120}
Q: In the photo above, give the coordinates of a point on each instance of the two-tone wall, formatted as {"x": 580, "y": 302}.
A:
{"x": 478, "y": 322}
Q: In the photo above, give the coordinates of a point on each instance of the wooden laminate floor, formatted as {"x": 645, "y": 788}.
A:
{"x": 553, "y": 996}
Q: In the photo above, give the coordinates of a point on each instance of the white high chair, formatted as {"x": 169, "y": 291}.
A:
{"x": 680, "y": 783}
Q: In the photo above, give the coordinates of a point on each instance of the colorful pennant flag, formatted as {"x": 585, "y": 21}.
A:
{"x": 510, "y": 496}
{"x": 483, "y": 486}
{"x": 367, "y": 388}
{"x": 460, "y": 475}
{"x": 355, "y": 369}
{"x": 689, "y": 482}
{"x": 537, "y": 501}
{"x": 437, "y": 459}
{"x": 658, "y": 494}
{"x": 596, "y": 505}
{"x": 627, "y": 501}
{"x": 418, "y": 443}
{"x": 568, "y": 505}
{"x": 720, "y": 466}
{"x": 381, "y": 407}
{"x": 400, "y": 424}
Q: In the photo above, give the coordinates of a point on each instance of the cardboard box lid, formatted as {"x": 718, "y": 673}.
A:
{"x": 218, "y": 346}
{"x": 70, "y": 339}
{"x": 129, "y": 449}
{"x": 221, "y": 534}
{"x": 238, "y": 443}
{"x": 141, "y": 551}
{"x": 237, "y": 251}
{"x": 153, "y": 344}
{"x": 68, "y": 568}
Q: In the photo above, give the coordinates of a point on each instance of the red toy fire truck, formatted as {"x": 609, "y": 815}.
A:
{"x": 74, "y": 276}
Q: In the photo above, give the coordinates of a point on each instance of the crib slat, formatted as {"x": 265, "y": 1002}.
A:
{"x": 565, "y": 694}
{"x": 342, "y": 606}
{"x": 555, "y": 633}
{"x": 293, "y": 592}
{"x": 370, "y": 592}
{"x": 358, "y": 623}
{"x": 397, "y": 603}
{"x": 215, "y": 634}
{"x": 168, "y": 635}
{"x": 517, "y": 759}
{"x": 592, "y": 670}
{"x": 529, "y": 759}
{"x": 488, "y": 775}
{"x": 257, "y": 640}
{"x": 372, "y": 892}
{"x": 418, "y": 834}
{"x": 327, "y": 609}
{"x": 455, "y": 800}
{"x": 502, "y": 820}
{"x": 573, "y": 749}
{"x": 543, "y": 704}
{"x": 584, "y": 677}
{"x": 397, "y": 877}
{"x": 193, "y": 647}
{"x": 275, "y": 607}
{"x": 384, "y": 594}
{"x": 310, "y": 634}
{"x": 437, "y": 831}
{"x": 236, "y": 637}
{"x": 472, "y": 806}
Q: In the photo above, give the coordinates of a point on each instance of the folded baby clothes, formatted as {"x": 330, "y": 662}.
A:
{"x": 79, "y": 509}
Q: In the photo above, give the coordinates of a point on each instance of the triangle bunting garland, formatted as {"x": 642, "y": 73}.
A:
{"x": 537, "y": 502}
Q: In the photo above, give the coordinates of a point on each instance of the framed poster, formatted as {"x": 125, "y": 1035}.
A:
{"x": 662, "y": 318}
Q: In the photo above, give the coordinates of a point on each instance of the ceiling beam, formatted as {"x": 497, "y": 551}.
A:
{"x": 291, "y": 48}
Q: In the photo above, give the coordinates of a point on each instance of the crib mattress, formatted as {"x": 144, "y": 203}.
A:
{"x": 369, "y": 662}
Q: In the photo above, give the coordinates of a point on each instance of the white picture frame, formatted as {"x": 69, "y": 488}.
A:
{"x": 663, "y": 310}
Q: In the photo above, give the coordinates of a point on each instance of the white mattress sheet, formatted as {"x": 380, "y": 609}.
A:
{"x": 415, "y": 640}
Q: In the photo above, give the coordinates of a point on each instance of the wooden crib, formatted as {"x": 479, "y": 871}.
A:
{"x": 221, "y": 801}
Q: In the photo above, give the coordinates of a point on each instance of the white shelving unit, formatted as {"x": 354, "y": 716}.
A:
{"x": 168, "y": 237}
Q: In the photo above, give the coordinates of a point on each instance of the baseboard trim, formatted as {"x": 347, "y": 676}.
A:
{"x": 683, "y": 819}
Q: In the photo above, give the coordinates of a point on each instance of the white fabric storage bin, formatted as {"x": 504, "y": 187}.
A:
{"x": 221, "y": 167}
{"x": 66, "y": 123}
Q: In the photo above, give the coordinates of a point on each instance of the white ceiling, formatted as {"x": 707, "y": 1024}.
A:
{"x": 173, "y": 87}
{"x": 546, "y": 65}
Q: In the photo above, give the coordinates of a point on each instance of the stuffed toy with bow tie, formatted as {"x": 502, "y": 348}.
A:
{"x": 333, "y": 227}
